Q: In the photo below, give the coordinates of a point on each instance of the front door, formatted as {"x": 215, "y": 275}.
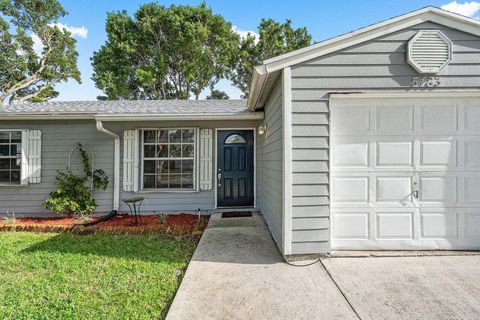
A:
{"x": 235, "y": 168}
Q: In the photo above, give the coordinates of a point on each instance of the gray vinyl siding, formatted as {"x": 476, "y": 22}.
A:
{"x": 379, "y": 64}
{"x": 269, "y": 164}
{"x": 59, "y": 137}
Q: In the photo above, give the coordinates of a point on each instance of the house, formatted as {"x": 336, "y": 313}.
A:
{"x": 370, "y": 140}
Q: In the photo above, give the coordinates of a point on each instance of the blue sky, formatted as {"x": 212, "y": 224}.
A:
{"x": 323, "y": 19}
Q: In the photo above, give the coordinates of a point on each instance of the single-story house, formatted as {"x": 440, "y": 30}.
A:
{"x": 370, "y": 140}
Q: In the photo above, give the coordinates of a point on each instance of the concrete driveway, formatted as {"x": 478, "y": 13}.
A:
{"x": 237, "y": 272}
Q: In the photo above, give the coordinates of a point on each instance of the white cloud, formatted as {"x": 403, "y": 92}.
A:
{"x": 243, "y": 33}
{"x": 469, "y": 9}
{"x": 37, "y": 44}
{"x": 80, "y": 32}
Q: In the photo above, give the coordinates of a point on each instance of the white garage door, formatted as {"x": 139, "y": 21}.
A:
{"x": 405, "y": 173}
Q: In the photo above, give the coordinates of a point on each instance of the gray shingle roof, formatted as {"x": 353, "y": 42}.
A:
{"x": 128, "y": 107}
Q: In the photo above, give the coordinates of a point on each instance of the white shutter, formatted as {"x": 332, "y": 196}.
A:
{"x": 206, "y": 159}
{"x": 130, "y": 160}
{"x": 34, "y": 155}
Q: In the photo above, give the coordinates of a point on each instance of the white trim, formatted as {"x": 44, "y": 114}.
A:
{"x": 45, "y": 116}
{"x": 23, "y": 157}
{"x": 254, "y": 163}
{"x": 406, "y": 94}
{"x": 287, "y": 160}
{"x": 433, "y": 14}
{"x": 180, "y": 116}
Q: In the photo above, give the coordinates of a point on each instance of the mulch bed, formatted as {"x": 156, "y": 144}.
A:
{"x": 175, "y": 225}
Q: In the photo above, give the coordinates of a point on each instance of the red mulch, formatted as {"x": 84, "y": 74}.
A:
{"x": 121, "y": 220}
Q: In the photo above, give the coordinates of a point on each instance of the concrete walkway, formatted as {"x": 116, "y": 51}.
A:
{"x": 237, "y": 272}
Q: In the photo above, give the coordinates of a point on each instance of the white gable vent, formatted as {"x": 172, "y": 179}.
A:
{"x": 429, "y": 51}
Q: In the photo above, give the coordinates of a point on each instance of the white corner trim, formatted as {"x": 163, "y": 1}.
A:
{"x": 287, "y": 160}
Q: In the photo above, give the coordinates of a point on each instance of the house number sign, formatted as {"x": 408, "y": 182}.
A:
{"x": 425, "y": 82}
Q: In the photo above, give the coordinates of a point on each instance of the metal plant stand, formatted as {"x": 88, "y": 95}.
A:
{"x": 134, "y": 206}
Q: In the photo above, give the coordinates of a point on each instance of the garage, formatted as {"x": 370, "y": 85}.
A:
{"x": 405, "y": 171}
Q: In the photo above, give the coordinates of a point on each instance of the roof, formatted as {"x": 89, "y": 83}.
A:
{"x": 271, "y": 68}
{"x": 128, "y": 109}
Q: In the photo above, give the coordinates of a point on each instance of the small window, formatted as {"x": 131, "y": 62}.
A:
{"x": 235, "y": 139}
{"x": 168, "y": 159}
{"x": 10, "y": 157}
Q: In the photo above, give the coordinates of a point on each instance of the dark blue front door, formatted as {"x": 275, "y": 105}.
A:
{"x": 235, "y": 168}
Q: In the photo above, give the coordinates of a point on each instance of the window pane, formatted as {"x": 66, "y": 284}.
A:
{"x": 4, "y": 176}
{"x": 162, "y": 136}
{"x": 175, "y": 151}
{"x": 187, "y": 151}
{"x": 149, "y": 166}
{"x": 149, "y": 181}
{"x": 16, "y": 149}
{"x": 4, "y": 164}
{"x": 149, "y": 136}
{"x": 187, "y": 136}
{"x": 234, "y": 139}
{"x": 175, "y": 166}
{"x": 16, "y": 137}
{"x": 162, "y": 181}
{"x": 162, "y": 151}
{"x": 187, "y": 166}
{"x": 175, "y": 136}
{"x": 4, "y": 137}
{"x": 162, "y": 166}
{"x": 187, "y": 181}
{"x": 15, "y": 164}
{"x": 15, "y": 176}
{"x": 4, "y": 150}
{"x": 149, "y": 151}
{"x": 175, "y": 181}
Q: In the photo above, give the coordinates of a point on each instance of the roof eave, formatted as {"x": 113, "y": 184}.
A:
{"x": 179, "y": 117}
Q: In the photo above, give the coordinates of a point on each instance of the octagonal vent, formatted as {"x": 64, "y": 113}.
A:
{"x": 429, "y": 51}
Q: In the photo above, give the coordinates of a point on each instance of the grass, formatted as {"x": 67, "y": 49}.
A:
{"x": 68, "y": 276}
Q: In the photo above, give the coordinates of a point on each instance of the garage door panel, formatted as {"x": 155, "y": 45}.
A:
{"x": 472, "y": 189}
{"x": 438, "y": 118}
{"x": 472, "y": 154}
{"x": 350, "y": 153}
{"x": 439, "y": 225}
{"x": 351, "y": 119}
{"x": 472, "y": 118}
{"x": 438, "y": 189}
{"x": 350, "y": 189}
{"x": 472, "y": 224}
{"x": 393, "y": 189}
{"x": 394, "y": 153}
{"x": 394, "y": 225}
{"x": 350, "y": 225}
{"x": 438, "y": 153}
{"x": 394, "y": 119}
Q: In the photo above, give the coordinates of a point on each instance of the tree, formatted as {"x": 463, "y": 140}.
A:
{"x": 274, "y": 39}
{"x": 164, "y": 53}
{"x": 27, "y": 75}
{"x": 217, "y": 95}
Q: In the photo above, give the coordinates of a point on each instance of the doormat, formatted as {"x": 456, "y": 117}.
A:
{"x": 236, "y": 214}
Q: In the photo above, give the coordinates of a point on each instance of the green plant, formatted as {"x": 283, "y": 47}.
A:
{"x": 73, "y": 195}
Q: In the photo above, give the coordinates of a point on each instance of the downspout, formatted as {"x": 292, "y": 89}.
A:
{"x": 116, "y": 163}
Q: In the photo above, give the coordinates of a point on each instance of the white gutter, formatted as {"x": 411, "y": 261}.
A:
{"x": 116, "y": 164}
{"x": 179, "y": 117}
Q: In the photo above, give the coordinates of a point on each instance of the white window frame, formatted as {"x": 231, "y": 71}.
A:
{"x": 23, "y": 160}
{"x": 196, "y": 159}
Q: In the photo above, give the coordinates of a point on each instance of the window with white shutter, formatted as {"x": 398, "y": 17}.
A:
{"x": 130, "y": 160}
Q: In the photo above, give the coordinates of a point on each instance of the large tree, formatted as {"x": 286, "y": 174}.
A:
{"x": 164, "y": 52}
{"x": 26, "y": 74}
{"x": 274, "y": 38}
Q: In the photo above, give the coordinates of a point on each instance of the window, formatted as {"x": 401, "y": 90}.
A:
{"x": 168, "y": 159}
{"x": 235, "y": 139}
{"x": 10, "y": 157}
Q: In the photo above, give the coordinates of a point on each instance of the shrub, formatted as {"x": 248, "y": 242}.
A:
{"x": 73, "y": 195}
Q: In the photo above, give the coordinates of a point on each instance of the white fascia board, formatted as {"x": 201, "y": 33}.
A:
{"x": 178, "y": 117}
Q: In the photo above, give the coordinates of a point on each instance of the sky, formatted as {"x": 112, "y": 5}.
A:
{"x": 323, "y": 19}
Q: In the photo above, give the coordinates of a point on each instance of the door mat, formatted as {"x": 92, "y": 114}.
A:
{"x": 236, "y": 214}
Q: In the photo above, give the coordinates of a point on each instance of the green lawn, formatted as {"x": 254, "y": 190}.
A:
{"x": 66, "y": 276}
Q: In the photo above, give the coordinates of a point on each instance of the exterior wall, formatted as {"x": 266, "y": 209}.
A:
{"x": 269, "y": 165}
{"x": 376, "y": 65}
{"x": 59, "y": 137}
